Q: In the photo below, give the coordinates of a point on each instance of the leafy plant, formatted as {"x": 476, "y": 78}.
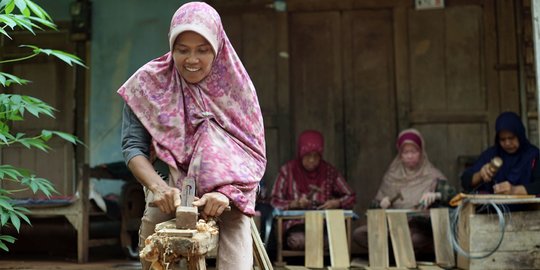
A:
{"x": 24, "y": 15}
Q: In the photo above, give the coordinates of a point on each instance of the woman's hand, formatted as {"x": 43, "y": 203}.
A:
{"x": 302, "y": 203}
{"x": 166, "y": 198}
{"x": 429, "y": 198}
{"x": 503, "y": 188}
{"x": 214, "y": 204}
{"x": 331, "y": 204}
{"x": 385, "y": 203}
{"x": 486, "y": 173}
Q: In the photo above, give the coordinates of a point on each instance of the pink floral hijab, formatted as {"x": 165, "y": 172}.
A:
{"x": 212, "y": 130}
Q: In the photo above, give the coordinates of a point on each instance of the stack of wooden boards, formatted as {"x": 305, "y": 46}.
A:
{"x": 338, "y": 239}
{"x": 395, "y": 221}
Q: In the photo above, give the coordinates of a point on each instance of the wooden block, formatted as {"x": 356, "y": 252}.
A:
{"x": 314, "y": 240}
{"x": 440, "y": 224}
{"x": 186, "y": 217}
{"x": 337, "y": 239}
{"x": 463, "y": 234}
{"x": 378, "y": 238}
{"x": 295, "y": 267}
{"x": 401, "y": 240}
{"x": 519, "y": 248}
{"x": 386, "y": 268}
{"x": 177, "y": 232}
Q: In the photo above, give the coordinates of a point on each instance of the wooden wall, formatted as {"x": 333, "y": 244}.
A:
{"x": 361, "y": 71}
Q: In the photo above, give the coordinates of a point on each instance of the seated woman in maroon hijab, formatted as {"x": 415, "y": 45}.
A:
{"x": 410, "y": 182}
{"x": 308, "y": 182}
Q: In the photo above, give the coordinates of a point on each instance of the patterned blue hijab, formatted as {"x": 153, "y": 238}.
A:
{"x": 517, "y": 167}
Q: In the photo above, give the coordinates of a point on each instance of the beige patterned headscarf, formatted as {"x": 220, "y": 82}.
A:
{"x": 411, "y": 183}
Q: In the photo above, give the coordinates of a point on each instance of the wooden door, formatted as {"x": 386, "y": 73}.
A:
{"x": 52, "y": 82}
{"x": 369, "y": 99}
{"x": 361, "y": 72}
{"x": 452, "y": 94}
{"x": 316, "y": 79}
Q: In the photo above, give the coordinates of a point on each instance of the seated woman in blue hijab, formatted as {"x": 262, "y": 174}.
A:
{"x": 519, "y": 173}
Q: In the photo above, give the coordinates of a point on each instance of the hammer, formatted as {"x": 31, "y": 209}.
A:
{"x": 397, "y": 197}
{"x": 186, "y": 213}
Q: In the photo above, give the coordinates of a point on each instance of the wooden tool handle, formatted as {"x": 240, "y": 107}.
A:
{"x": 152, "y": 204}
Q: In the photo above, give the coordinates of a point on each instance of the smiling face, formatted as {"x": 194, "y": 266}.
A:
{"x": 508, "y": 141}
{"x": 410, "y": 156}
{"x": 193, "y": 56}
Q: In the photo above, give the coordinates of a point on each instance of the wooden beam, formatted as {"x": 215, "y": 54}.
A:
{"x": 314, "y": 244}
{"x": 378, "y": 238}
{"x": 440, "y": 224}
{"x": 448, "y": 117}
{"x": 401, "y": 240}
{"x": 337, "y": 239}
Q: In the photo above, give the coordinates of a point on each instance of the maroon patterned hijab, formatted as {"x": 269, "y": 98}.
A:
{"x": 309, "y": 141}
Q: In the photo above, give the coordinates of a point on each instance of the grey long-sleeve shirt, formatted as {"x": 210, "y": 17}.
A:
{"x": 135, "y": 138}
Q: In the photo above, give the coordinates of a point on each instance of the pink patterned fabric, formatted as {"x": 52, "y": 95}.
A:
{"x": 213, "y": 130}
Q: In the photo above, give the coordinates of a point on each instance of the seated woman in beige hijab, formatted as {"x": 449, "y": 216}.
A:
{"x": 411, "y": 182}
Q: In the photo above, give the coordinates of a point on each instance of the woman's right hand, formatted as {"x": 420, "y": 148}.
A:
{"x": 166, "y": 198}
{"x": 302, "y": 203}
{"x": 385, "y": 203}
{"x": 486, "y": 173}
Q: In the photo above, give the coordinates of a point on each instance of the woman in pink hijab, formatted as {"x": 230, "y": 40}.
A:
{"x": 411, "y": 182}
{"x": 308, "y": 182}
{"x": 195, "y": 110}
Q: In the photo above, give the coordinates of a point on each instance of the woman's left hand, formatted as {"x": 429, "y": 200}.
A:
{"x": 503, "y": 188}
{"x": 331, "y": 204}
{"x": 214, "y": 204}
{"x": 429, "y": 198}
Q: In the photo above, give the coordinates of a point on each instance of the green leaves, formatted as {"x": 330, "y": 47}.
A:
{"x": 24, "y": 14}
{"x": 6, "y": 238}
{"x": 13, "y": 107}
{"x": 7, "y": 79}
{"x": 27, "y": 16}
{"x": 70, "y": 59}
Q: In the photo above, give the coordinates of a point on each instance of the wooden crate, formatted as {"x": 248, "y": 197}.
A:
{"x": 480, "y": 233}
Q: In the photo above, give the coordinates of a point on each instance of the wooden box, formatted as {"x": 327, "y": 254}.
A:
{"x": 480, "y": 234}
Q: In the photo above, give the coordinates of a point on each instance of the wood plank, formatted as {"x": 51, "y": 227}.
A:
{"x": 518, "y": 221}
{"x": 318, "y": 80}
{"x": 490, "y": 59}
{"x": 483, "y": 242}
{"x": 385, "y": 268}
{"x": 314, "y": 257}
{"x": 295, "y": 267}
{"x": 261, "y": 48}
{"x": 507, "y": 54}
{"x": 401, "y": 240}
{"x": 378, "y": 238}
{"x": 423, "y": 117}
{"x": 440, "y": 224}
{"x": 463, "y": 236}
{"x": 427, "y": 60}
{"x": 337, "y": 238}
{"x": 369, "y": 80}
{"x": 261, "y": 257}
{"x": 464, "y": 83}
{"x": 508, "y": 260}
{"x": 401, "y": 66}
{"x": 324, "y": 5}
{"x": 283, "y": 85}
